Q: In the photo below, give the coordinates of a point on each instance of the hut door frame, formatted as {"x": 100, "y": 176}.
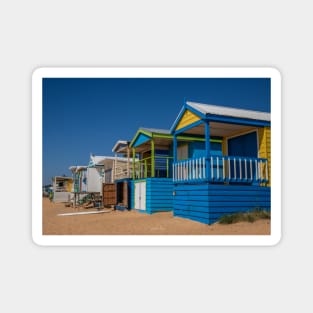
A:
{"x": 140, "y": 196}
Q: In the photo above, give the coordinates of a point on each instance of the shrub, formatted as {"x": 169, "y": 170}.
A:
{"x": 250, "y": 216}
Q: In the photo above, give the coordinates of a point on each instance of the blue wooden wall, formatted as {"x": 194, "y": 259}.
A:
{"x": 206, "y": 203}
{"x": 159, "y": 195}
{"x": 196, "y": 149}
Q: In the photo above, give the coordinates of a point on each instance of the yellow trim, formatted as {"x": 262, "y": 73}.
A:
{"x": 187, "y": 119}
{"x": 265, "y": 148}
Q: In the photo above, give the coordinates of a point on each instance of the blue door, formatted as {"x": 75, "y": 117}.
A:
{"x": 243, "y": 146}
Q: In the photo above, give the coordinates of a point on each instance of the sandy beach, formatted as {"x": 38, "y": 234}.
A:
{"x": 136, "y": 223}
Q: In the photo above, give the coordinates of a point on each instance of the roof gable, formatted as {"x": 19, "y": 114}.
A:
{"x": 140, "y": 139}
{"x": 145, "y": 134}
{"x": 186, "y": 119}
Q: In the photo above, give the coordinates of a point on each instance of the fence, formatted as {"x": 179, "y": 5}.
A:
{"x": 221, "y": 169}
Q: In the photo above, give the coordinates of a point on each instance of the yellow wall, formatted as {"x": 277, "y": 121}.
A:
{"x": 265, "y": 147}
{"x": 187, "y": 119}
{"x": 69, "y": 185}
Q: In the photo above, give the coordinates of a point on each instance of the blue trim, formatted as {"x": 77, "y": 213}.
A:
{"x": 182, "y": 112}
{"x": 201, "y": 115}
{"x": 207, "y": 149}
{"x": 217, "y": 118}
{"x": 181, "y": 130}
{"x": 237, "y": 120}
{"x": 207, "y": 139}
{"x": 177, "y": 120}
{"x": 174, "y": 148}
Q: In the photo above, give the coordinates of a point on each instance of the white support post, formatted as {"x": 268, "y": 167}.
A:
{"x": 256, "y": 170}
{"x": 181, "y": 171}
{"x": 193, "y": 169}
{"x": 203, "y": 167}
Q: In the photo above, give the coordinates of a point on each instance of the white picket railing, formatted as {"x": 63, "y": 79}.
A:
{"x": 221, "y": 169}
{"x": 192, "y": 169}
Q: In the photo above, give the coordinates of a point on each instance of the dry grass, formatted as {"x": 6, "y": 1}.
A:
{"x": 252, "y": 216}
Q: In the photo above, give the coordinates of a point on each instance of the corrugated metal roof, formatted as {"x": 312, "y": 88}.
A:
{"x": 227, "y": 111}
{"x": 76, "y": 168}
{"x": 119, "y": 143}
{"x": 156, "y": 130}
{"x": 100, "y": 160}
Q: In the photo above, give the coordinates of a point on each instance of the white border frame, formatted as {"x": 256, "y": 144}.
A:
{"x": 156, "y": 240}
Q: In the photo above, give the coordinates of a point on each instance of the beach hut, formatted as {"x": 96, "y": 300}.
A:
{"x": 122, "y": 171}
{"x": 152, "y": 183}
{"x": 101, "y": 175}
{"x": 62, "y": 187}
{"x": 122, "y": 162}
{"x": 96, "y": 173}
{"x": 79, "y": 174}
{"x": 227, "y": 168}
{"x": 79, "y": 188}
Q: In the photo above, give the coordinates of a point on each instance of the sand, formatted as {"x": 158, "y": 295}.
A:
{"x": 136, "y": 223}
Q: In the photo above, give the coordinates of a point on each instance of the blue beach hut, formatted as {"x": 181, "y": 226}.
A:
{"x": 227, "y": 168}
{"x": 152, "y": 183}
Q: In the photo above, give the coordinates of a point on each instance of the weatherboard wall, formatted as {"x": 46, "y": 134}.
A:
{"x": 159, "y": 194}
{"x": 206, "y": 203}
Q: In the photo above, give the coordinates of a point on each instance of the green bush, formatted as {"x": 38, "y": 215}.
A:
{"x": 251, "y": 216}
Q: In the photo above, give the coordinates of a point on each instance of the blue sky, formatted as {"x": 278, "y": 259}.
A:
{"x": 88, "y": 115}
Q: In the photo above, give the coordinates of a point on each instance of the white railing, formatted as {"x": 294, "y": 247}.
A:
{"x": 222, "y": 169}
{"x": 187, "y": 170}
{"x": 121, "y": 172}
